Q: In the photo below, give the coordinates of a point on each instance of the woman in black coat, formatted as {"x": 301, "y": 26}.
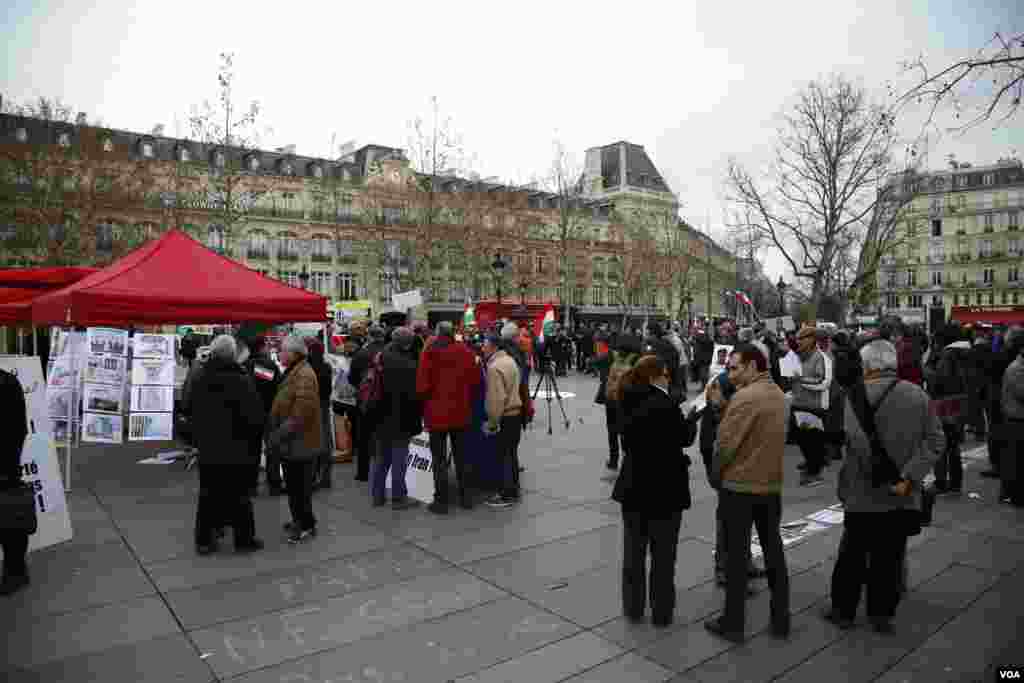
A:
{"x": 12, "y": 440}
{"x": 653, "y": 488}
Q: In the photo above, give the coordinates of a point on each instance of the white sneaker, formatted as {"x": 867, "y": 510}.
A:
{"x": 498, "y": 501}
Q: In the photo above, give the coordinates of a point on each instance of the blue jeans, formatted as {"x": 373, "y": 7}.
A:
{"x": 392, "y": 454}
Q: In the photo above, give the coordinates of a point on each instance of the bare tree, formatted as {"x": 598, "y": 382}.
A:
{"x": 987, "y": 85}
{"x": 833, "y": 151}
{"x": 230, "y": 189}
{"x": 69, "y": 194}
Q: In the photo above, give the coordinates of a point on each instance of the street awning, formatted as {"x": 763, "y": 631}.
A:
{"x": 995, "y": 315}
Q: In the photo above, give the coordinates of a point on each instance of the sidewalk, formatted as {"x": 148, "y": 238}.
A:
{"x": 529, "y": 593}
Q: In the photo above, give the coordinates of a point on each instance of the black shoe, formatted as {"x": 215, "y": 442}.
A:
{"x": 13, "y": 583}
{"x": 781, "y": 631}
{"x": 990, "y": 474}
{"x": 219, "y": 533}
{"x": 834, "y": 618}
{"x": 379, "y": 502}
{"x": 289, "y": 526}
{"x": 802, "y": 467}
{"x": 755, "y": 572}
{"x": 404, "y": 503}
{"x": 206, "y": 549}
{"x": 881, "y": 625}
{"x": 249, "y": 547}
{"x": 720, "y": 578}
{"x": 661, "y": 621}
{"x": 362, "y": 477}
{"x": 716, "y": 627}
{"x": 438, "y": 508}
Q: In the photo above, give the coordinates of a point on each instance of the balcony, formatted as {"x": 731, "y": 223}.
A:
{"x": 257, "y": 254}
{"x": 287, "y": 256}
{"x": 961, "y": 258}
{"x": 321, "y": 258}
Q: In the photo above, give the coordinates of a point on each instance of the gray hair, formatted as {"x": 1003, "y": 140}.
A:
{"x": 879, "y": 355}
{"x": 746, "y": 334}
{"x": 224, "y": 348}
{"x": 293, "y": 343}
{"x": 510, "y": 331}
{"x": 445, "y": 329}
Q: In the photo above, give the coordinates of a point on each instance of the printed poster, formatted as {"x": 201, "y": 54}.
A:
{"x": 153, "y": 345}
{"x": 151, "y": 399}
{"x": 106, "y": 369}
{"x": 153, "y": 371}
{"x": 103, "y": 398}
{"x": 62, "y": 373}
{"x": 150, "y": 427}
{"x": 58, "y": 403}
{"x": 102, "y": 428}
{"x": 107, "y": 340}
{"x": 419, "y": 475}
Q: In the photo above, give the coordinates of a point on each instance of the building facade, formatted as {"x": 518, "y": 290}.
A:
{"x": 361, "y": 227}
{"x": 959, "y": 243}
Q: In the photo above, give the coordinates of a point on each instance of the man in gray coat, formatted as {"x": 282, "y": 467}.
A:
{"x": 881, "y": 509}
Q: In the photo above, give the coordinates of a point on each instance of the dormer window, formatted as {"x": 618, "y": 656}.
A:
{"x": 21, "y": 135}
{"x": 316, "y": 171}
{"x": 108, "y": 145}
{"x": 64, "y": 139}
{"x": 147, "y": 149}
{"x": 287, "y": 168}
{"x": 253, "y": 163}
{"x": 218, "y": 159}
{"x": 183, "y": 154}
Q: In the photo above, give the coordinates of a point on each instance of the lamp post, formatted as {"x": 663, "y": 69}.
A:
{"x": 499, "y": 268}
{"x": 688, "y": 300}
{"x": 781, "y": 286}
{"x": 523, "y": 286}
{"x": 304, "y": 276}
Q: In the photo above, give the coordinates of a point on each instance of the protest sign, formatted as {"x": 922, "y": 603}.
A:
{"x": 419, "y": 475}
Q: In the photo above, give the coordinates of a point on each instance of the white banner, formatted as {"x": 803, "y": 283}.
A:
{"x": 406, "y": 300}
{"x": 419, "y": 474}
{"x": 39, "y": 456}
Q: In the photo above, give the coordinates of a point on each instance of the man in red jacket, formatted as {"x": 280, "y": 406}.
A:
{"x": 445, "y": 381}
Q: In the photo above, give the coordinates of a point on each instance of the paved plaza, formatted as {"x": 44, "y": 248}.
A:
{"x": 529, "y": 593}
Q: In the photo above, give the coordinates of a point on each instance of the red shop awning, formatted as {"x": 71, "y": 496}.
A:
{"x": 996, "y": 315}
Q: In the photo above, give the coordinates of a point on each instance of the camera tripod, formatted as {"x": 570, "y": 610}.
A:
{"x": 550, "y": 384}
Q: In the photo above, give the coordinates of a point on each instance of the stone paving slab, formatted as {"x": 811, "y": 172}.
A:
{"x": 48, "y": 638}
{"x": 516, "y": 535}
{"x": 289, "y": 588}
{"x": 435, "y": 651}
{"x": 551, "y": 663}
{"x": 242, "y": 646}
{"x": 629, "y": 667}
{"x": 168, "y": 659}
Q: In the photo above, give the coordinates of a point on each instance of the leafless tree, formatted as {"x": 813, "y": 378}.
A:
{"x": 984, "y": 86}
{"x": 833, "y": 150}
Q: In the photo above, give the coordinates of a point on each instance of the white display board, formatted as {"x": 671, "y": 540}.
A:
{"x": 39, "y": 455}
{"x": 419, "y": 474}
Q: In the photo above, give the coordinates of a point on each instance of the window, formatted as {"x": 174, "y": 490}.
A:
{"x": 597, "y": 297}
{"x": 991, "y": 298}
{"x": 1012, "y": 220}
{"x": 937, "y": 252}
{"x": 890, "y": 279}
{"x": 988, "y": 179}
{"x": 318, "y": 171}
{"x": 579, "y": 296}
{"x": 348, "y": 286}
{"x": 1015, "y": 298}
{"x": 387, "y": 287}
{"x": 916, "y": 301}
{"x": 937, "y": 278}
{"x": 258, "y": 245}
{"x": 321, "y": 249}
{"x": 184, "y": 154}
{"x": 254, "y": 163}
{"x": 912, "y": 278}
{"x": 320, "y": 282}
{"x": 108, "y": 145}
{"x": 956, "y": 299}
{"x": 892, "y": 301}
{"x": 937, "y": 300}
{"x": 218, "y": 159}
{"x": 985, "y": 248}
{"x": 540, "y": 264}
{"x": 104, "y": 238}
{"x": 1013, "y": 247}
{"x": 288, "y": 247}
{"x": 21, "y": 135}
{"x": 215, "y": 237}
{"x": 937, "y": 228}
{"x": 64, "y": 139}
{"x": 147, "y": 150}
{"x": 1013, "y": 275}
{"x": 961, "y": 181}
{"x": 989, "y": 276}
{"x": 989, "y": 222}
{"x": 963, "y": 277}
{"x": 977, "y": 298}
{"x": 1006, "y": 297}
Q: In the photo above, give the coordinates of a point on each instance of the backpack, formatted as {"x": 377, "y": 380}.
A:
{"x": 621, "y": 364}
{"x": 950, "y": 375}
{"x": 371, "y": 389}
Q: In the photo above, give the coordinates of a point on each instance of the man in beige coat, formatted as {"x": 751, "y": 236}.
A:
{"x": 504, "y": 417}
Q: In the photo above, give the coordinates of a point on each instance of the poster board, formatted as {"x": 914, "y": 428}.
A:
{"x": 39, "y": 465}
{"x": 103, "y": 388}
{"x": 419, "y": 473}
{"x": 152, "y": 388}
{"x": 719, "y": 360}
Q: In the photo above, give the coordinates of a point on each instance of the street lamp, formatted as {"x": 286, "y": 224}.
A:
{"x": 523, "y": 285}
{"x": 304, "y": 276}
{"x": 499, "y": 267}
{"x": 688, "y": 300}
{"x": 781, "y": 286}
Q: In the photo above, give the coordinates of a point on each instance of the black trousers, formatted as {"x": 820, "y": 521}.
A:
{"x": 996, "y": 424}
{"x": 508, "y": 454}
{"x": 325, "y": 458}
{"x": 613, "y": 417}
{"x": 812, "y": 445}
{"x": 224, "y": 500}
{"x": 439, "y": 453}
{"x": 273, "y": 467}
{"x": 661, "y": 537}
{"x": 741, "y": 512}
{"x": 15, "y": 547}
{"x": 949, "y": 468}
{"x": 878, "y": 536}
{"x": 298, "y": 477}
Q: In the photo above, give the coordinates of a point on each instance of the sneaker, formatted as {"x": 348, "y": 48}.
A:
{"x": 438, "y": 508}
{"x": 499, "y": 501}
{"x": 379, "y": 502}
{"x": 716, "y": 627}
{"x": 810, "y": 480}
{"x": 298, "y": 536}
{"x": 250, "y": 547}
{"x": 404, "y": 503}
{"x": 13, "y": 583}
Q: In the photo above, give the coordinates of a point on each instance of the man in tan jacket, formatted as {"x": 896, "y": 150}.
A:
{"x": 504, "y": 417}
{"x": 751, "y": 443}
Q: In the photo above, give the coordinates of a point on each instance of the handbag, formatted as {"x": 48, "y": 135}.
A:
{"x": 18, "y": 509}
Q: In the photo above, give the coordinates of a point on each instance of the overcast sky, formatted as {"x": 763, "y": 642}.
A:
{"x": 692, "y": 82}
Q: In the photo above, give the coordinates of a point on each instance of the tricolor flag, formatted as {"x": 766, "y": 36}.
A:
{"x": 469, "y": 315}
{"x": 544, "y": 323}
{"x": 743, "y": 298}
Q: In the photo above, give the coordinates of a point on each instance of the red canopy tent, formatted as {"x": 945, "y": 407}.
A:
{"x": 20, "y": 286}
{"x": 175, "y": 279}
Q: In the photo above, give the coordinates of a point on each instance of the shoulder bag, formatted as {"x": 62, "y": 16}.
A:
{"x": 18, "y": 509}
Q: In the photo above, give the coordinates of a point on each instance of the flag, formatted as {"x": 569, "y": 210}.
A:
{"x": 742, "y": 297}
{"x": 469, "y": 315}
{"x": 544, "y": 323}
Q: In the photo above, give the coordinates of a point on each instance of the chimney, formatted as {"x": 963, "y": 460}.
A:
{"x": 158, "y": 130}
{"x": 80, "y": 119}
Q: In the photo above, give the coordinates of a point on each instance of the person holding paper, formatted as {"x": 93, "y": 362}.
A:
{"x": 810, "y": 403}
